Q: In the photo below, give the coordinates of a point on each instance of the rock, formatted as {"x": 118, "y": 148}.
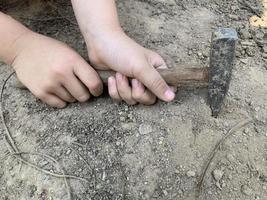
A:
{"x": 257, "y": 109}
{"x": 68, "y": 152}
{"x": 191, "y": 173}
{"x": 264, "y": 55}
{"x": 246, "y": 43}
{"x": 230, "y": 157}
{"x": 233, "y": 17}
{"x": 245, "y": 34}
{"x": 244, "y": 61}
{"x": 217, "y": 174}
{"x": 165, "y": 192}
{"x": 246, "y": 190}
{"x": 145, "y": 129}
{"x": 246, "y": 130}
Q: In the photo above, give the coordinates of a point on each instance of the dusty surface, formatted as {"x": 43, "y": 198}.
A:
{"x": 143, "y": 152}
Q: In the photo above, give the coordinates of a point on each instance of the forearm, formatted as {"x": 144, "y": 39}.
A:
{"x": 10, "y": 33}
{"x": 96, "y": 16}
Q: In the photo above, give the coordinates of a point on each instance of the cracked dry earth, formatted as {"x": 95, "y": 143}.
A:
{"x": 140, "y": 152}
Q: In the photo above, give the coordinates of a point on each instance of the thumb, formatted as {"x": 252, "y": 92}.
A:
{"x": 151, "y": 78}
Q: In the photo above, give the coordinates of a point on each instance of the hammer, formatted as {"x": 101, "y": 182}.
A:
{"x": 216, "y": 77}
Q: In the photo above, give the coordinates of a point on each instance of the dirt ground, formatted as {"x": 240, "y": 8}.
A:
{"x": 139, "y": 152}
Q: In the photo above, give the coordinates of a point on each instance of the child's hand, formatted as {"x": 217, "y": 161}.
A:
{"x": 53, "y": 72}
{"x": 116, "y": 51}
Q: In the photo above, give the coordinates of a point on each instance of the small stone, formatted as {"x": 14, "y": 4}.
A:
{"x": 264, "y": 55}
{"x": 145, "y": 129}
{"x": 246, "y": 190}
{"x": 217, "y": 174}
{"x": 246, "y": 43}
{"x": 246, "y": 130}
{"x": 122, "y": 119}
{"x": 191, "y": 173}
{"x": 210, "y": 192}
{"x": 250, "y": 52}
{"x": 199, "y": 54}
{"x": 245, "y": 34}
{"x": 68, "y": 152}
{"x": 244, "y": 61}
{"x": 233, "y": 17}
{"x": 257, "y": 109}
{"x": 230, "y": 157}
{"x": 165, "y": 192}
{"x": 202, "y": 101}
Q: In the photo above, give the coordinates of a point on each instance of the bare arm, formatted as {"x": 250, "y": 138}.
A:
{"x": 10, "y": 33}
{"x": 110, "y": 48}
{"x": 95, "y": 17}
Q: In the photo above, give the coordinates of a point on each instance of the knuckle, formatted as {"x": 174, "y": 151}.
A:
{"x": 157, "y": 84}
{"x": 94, "y": 58}
{"x": 48, "y": 87}
{"x": 41, "y": 95}
{"x": 59, "y": 71}
{"x": 137, "y": 96}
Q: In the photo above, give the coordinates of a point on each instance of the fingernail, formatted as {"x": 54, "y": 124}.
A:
{"x": 119, "y": 76}
{"x": 169, "y": 94}
{"x": 110, "y": 80}
{"x": 135, "y": 83}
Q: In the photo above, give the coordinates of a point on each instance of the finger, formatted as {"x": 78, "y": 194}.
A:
{"x": 141, "y": 95}
{"x": 156, "y": 60}
{"x": 89, "y": 77}
{"x": 112, "y": 89}
{"x": 151, "y": 78}
{"x": 53, "y": 101}
{"x": 124, "y": 89}
{"x": 77, "y": 89}
{"x": 62, "y": 93}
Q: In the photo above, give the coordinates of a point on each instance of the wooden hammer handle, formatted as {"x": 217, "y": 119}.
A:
{"x": 180, "y": 77}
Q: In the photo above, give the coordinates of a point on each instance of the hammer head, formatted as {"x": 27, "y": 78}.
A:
{"x": 222, "y": 59}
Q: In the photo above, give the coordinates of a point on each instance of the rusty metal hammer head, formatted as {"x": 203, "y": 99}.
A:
{"x": 222, "y": 59}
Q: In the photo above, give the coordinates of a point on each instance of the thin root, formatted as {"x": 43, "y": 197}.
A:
{"x": 215, "y": 150}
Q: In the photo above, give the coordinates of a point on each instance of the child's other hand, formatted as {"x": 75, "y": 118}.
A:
{"x": 53, "y": 72}
{"x": 116, "y": 51}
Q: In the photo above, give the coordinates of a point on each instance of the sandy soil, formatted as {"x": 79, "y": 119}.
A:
{"x": 141, "y": 152}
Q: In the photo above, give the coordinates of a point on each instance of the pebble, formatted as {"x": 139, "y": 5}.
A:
{"x": 165, "y": 192}
{"x": 257, "y": 109}
{"x": 230, "y": 157}
{"x": 202, "y": 101}
{"x": 246, "y": 43}
{"x": 246, "y": 190}
{"x": 233, "y": 17}
{"x": 246, "y": 130}
{"x": 122, "y": 119}
{"x": 68, "y": 152}
{"x": 145, "y": 129}
{"x": 191, "y": 173}
{"x": 217, "y": 174}
{"x": 264, "y": 55}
